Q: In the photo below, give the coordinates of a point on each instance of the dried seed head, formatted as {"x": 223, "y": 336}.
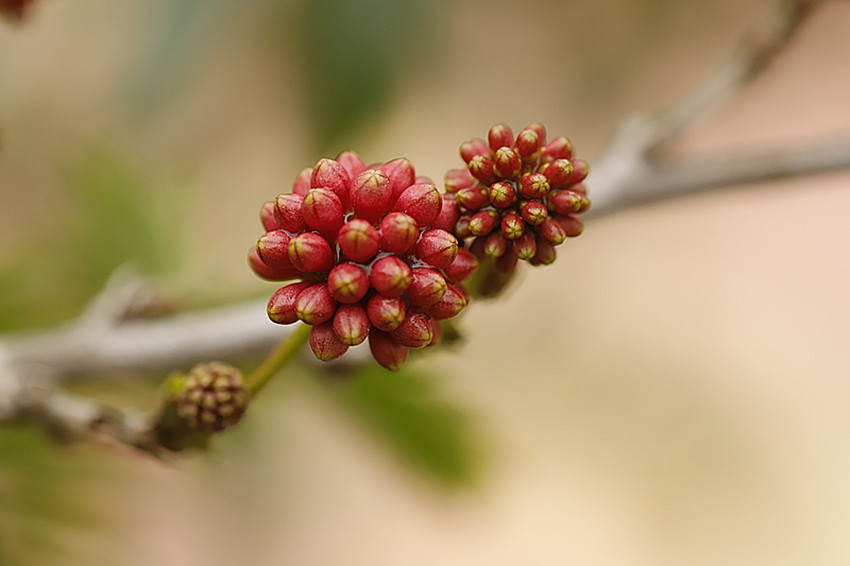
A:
{"x": 213, "y": 397}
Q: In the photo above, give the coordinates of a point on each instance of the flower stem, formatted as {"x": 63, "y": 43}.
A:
{"x": 278, "y": 358}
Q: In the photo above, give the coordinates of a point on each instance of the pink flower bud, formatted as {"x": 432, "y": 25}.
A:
{"x": 358, "y": 240}
{"x": 565, "y": 201}
{"x": 461, "y": 229}
{"x": 507, "y": 163}
{"x": 322, "y": 211}
{"x": 426, "y": 288}
{"x": 423, "y": 180}
{"x": 351, "y": 324}
{"x": 528, "y": 143}
{"x": 558, "y": 172}
{"x": 534, "y": 212}
{"x": 525, "y": 246}
{"x": 328, "y": 174}
{"x": 495, "y": 245}
{"x": 572, "y": 225}
{"x": 502, "y": 194}
{"x": 481, "y": 168}
{"x": 552, "y": 231}
{"x": 371, "y": 195}
{"x": 281, "y": 307}
{"x": 398, "y": 232}
{"x": 482, "y": 223}
{"x": 437, "y": 248}
{"x": 401, "y": 175}
{"x": 273, "y": 249}
{"x": 500, "y": 135}
{"x": 390, "y": 276}
{"x": 324, "y": 342}
{"x": 448, "y": 216}
{"x": 287, "y": 211}
{"x": 472, "y": 148}
{"x": 315, "y": 305}
{"x": 534, "y": 185}
{"x": 457, "y": 179}
{"x": 546, "y": 253}
{"x": 558, "y": 148}
{"x": 462, "y": 267}
{"x": 302, "y": 182}
{"x": 421, "y": 202}
{"x": 269, "y": 273}
{"x": 385, "y": 313}
{"x": 387, "y": 351}
{"x": 310, "y": 253}
{"x": 351, "y": 162}
{"x": 538, "y": 129}
{"x": 267, "y": 217}
{"x": 348, "y": 283}
{"x": 580, "y": 171}
{"x": 414, "y": 331}
{"x": 449, "y": 305}
{"x": 472, "y": 198}
{"x": 513, "y": 226}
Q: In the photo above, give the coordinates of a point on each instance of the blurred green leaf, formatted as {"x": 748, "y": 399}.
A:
{"x": 407, "y": 409}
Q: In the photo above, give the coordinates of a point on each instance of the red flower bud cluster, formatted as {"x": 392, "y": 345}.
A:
{"x": 518, "y": 197}
{"x": 373, "y": 251}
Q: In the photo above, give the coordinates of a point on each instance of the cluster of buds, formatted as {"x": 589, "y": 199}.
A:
{"x": 374, "y": 255}
{"x": 518, "y": 197}
{"x": 211, "y": 397}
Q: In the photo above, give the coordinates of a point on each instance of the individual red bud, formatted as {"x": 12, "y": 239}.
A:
{"x": 281, "y": 307}
{"x": 462, "y": 227}
{"x": 273, "y": 249}
{"x": 534, "y": 185}
{"x": 558, "y": 173}
{"x": 481, "y": 167}
{"x": 324, "y": 342}
{"x": 457, "y": 179}
{"x": 507, "y": 163}
{"x": 472, "y": 198}
{"x": 399, "y": 232}
{"x": 390, "y": 276}
{"x": 534, "y": 212}
{"x": 448, "y": 216}
{"x": 287, "y": 211}
{"x": 462, "y": 267}
{"x": 371, "y": 195}
{"x": 269, "y": 273}
{"x": 472, "y": 148}
{"x": 580, "y": 171}
{"x": 414, "y": 331}
{"x": 572, "y": 225}
{"x": 423, "y": 180}
{"x": 351, "y": 324}
{"x": 500, "y": 135}
{"x": 558, "y": 148}
{"x": 352, "y": 163}
{"x": 546, "y": 253}
{"x": 421, "y": 202}
{"x": 450, "y": 304}
{"x": 302, "y": 182}
{"x": 310, "y": 253}
{"x": 387, "y": 351}
{"x": 348, "y": 283}
{"x": 329, "y": 174}
{"x": 482, "y": 223}
{"x": 508, "y": 262}
{"x": 358, "y": 240}
{"x": 385, "y": 313}
{"x": 513, "y": 226}
{"x": 528, "y": 142}
{"x": 437, "y": 248}
{"x": 538, "y": 129}
{"x": 566, "y": 201}
{"x": 267, "y": 217}
{"x": 502, "y": 194}
{"x": 525, "y": 246}
{"x": 495, "y": 245}
{"x": 315, "y": 305}
{"x": 322, "y": 211}
{"x": 552, "y": 231}
{"x": 401, "y": 174}
{"x": 427, "y": 286}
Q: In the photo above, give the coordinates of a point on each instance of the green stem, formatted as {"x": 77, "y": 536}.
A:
{"x": 279, "y": 357}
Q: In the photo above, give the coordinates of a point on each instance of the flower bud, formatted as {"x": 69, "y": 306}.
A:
{"x": 482, "y": 169}
{"x": 437, "y": 248}
{"x": 352, "y": 163}
{"x": 572, "y": 225}
{"x": 533, "y": 185}
{"x": 580, "y": 171}
{"x": 281, "y": 307}
{"x": 558, "y": 173}
{"x": 401, "y": 174}
{"x": 351, "y": 324}
{"x": 482, "y": 223}
{"x": 387, "y": 351}
{"x": 472, "y": 198}
{"x": 390, "y": 276}
{"x": 315, "y": 305}
{"x": 457, "y": 179}
{"x": 508, "y": 262}
{"x": 565, "y": 201}
{"x": 348, "y": 283}
{"x": 427, "y": 286}
{"x": 269, "y": 273}
{"x": 267, "y": 217}
{"x": 461, "y": 229}
{"x": 398, "y": 232}
{"x": 527, "y": 143}
{"x": 449, "y": 305}
{"x": 525, "y": 246}
{"x": 462, "y": 267}
{"x": 328, "y": 174}
{"x": 448, "y": 216}
{"x": 507, "y": 163}
{"x": 358, "y": 240}
{"x": 386, "y": 313}
{"x": 495, "y": 245}
{"x": 371, "y": 195}
{"x": 287, "y": 211}
{"x": 322, "y": 211}
{"x": 421, "y": 202}
{"x": 552, "y": 231}
{"x": 472, "y": 148}
{"x": 310, "y": 253}
{"x": 436, "y": 333}
{"x": 534, "y": 212}
{"x": 273, "y": 249}
{"x": 538, "y": 129}
{"x": 324, "y": 342}
{"x": 558, "y": 148}
{"x": 546, "y": 253}
{"x": 499, "y": 136}
{"x": 213, "y": 397}
{"x": 502, "y": 194}
{"x": 302, "y": 182}
{"x": 513, "y": 226}
{"x": 414, "y": 331}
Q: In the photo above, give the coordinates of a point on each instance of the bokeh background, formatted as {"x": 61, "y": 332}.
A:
{"x": 674, "y": 390}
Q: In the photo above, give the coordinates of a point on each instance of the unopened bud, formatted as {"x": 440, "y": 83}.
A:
{"x": 213, "y": 397}
{"x": 386, "y": 313}
{"x": 448, "y": 216}
{"x": 525, "y": 246}
{"x": 534, "y": 185}
{"x": 371, "y": 195}
{"x": 302, "y": 182}
{"x": 420, "y": 202}
{"x": 502, "y": 194}
{"x": 310, "y": 253}
{"x": 358, "y": 240}
{"x": 566, "y": 201}
{"x": 457, "y": 179}
{"x": 269, "y": 273}
{"x": 482, "y": 169}
{"x": 398, "y": 232}
{"x": 507, "y": 163}
{"x": 572, "y": 225}
{"x": 322, "y": 211}
{"x": 390, "y": 276}
{"x": 558, "y": 173}
{"x": 472, "y": 198}
{"x": 462, "y": 267}
{"x": 500, "y": 135}
{"x": 437, "y": 248}
{"x": 527, "y": 143}
{"x": 267, "y": 217}
{"x": 482, "y": 223}
{"x": 552, "y": 231}
{"x": 414, "y": 331}
{"x": 472, "y": 148}
{"x": 427, "y": 286}
{"x": 273, "y": 249}
{"x": 281, "y": 307}
{"x": 546, "y": 253}
{"x": 534, "y": 212}
{"x": 328, "y": 174}
{"x": 450, "y": 304}
{"x": 352, "y": 163}
{"x": 287, "y": 211}
{"x": 315, "y": 305}
{"x": 513, "y": 226}
{"x": 387, "y": 351}
{"x": 401, "y": 174}
{"x": 558, "y": 148}
{"x": 351, "y": 324}
{"x": 495, "y": 245}
{"x": 324, "y": 342}
{"x": 348, "y": 283}
{"x": 580, "y": 171}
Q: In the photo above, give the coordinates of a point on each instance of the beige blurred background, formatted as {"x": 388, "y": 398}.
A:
{"x": 674, "y": 390}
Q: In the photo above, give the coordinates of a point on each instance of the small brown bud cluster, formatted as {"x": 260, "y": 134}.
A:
{"x": 518, "y": 196}
{"x": 212, "y": 397}
{"x": 374, "y": 256}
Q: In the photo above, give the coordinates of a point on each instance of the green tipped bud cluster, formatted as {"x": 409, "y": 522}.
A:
{"x": 211, "y": 397}
{"x": 373, "y": 253}
{"x": 518, "y": 196}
